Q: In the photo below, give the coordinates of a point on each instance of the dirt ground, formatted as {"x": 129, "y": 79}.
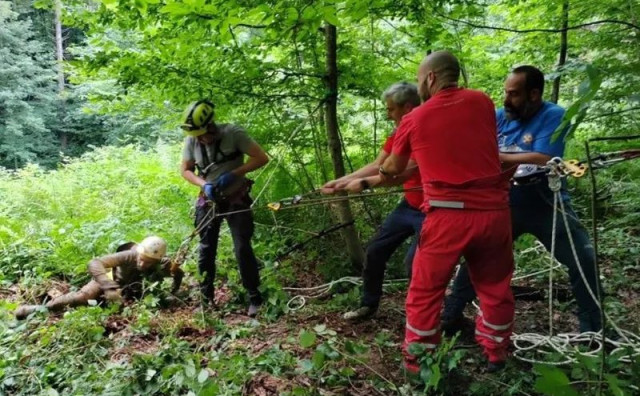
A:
{"x": 382, "y": 361}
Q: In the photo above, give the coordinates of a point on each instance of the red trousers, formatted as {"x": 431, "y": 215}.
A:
{"x": 484, "y": 239}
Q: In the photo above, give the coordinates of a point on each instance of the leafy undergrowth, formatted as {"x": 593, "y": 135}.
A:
{"x": 153, "y": 347}
{"x": 53, "y": 222}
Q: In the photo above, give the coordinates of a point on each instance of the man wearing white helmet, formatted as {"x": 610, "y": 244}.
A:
{"x": 127, "y": 269}
{"x": 214, "y": 160}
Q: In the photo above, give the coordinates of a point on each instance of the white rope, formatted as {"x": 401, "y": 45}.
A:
{"x": 539, "y": 249}
{"x": 566, "y": 344}
{"x": 552, "y": 254}
{"x": 300, "y": 300}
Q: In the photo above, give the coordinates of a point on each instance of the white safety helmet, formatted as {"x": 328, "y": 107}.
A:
{"x": 152, "y": 247}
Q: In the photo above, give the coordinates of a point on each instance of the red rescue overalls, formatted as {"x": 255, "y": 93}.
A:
{"x": 471, "y": 219}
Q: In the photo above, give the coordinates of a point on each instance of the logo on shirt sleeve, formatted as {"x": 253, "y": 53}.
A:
{"x": 527, "y": 138}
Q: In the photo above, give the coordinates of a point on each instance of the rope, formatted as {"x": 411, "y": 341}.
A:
{"x": 566, "y": 344}
{"x": 183, "y": 250}
{"x": 299, "y": 300}
{"x": 321, "y": 201}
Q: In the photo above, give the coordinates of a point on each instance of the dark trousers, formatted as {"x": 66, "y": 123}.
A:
{"x": 241, "y": 226}
{"x": 403, "y": 222}
{"x": 538, "y": 221}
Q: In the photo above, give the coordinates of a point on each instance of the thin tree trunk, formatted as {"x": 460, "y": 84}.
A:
{"x": 60, "y": 61}
{"x": 376, "y": 149}
{"x": 343, "y": 210}
{"x": 555, "y": 93}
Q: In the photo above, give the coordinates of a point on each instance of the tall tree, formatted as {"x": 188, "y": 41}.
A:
{"x": 335, "y": 147}
{"x": 60, "y": 65}
{"x": 562, "y": 59}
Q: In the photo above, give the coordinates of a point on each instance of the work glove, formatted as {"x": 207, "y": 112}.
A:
{"x": 209, "y": 191}
{"x": 113, "y": 296}
{"x": 225, "y": 180}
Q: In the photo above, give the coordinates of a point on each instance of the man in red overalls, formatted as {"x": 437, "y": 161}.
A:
{"x": 452, "y": 137}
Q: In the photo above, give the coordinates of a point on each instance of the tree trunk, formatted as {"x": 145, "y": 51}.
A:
{"x": 343, "y": 210}
{"x": 60, "y": 61}
{"x": 555, "y": 94}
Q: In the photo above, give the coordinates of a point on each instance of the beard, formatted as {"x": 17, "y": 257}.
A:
{"x": 523, "y": 113}
{"x": 511, "y": 113}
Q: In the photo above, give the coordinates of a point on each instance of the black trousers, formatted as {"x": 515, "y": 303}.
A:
{"x": 537, "y": 220}
{"x": 241, "y": 225}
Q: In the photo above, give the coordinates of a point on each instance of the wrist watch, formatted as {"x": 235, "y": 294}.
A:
{"x": 365, "y": 184}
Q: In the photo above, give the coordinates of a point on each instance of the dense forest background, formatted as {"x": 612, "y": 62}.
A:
{"x": 91, "y": 94}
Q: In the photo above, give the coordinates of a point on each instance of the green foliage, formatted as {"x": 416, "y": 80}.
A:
{"x": 436, "y": 364}
{"x": 26, "y": 91}
{"x": 133, "y": 65}
{"x": 553, "y": 381}
{"x": 53, "y": 222}
{"x": 577, "y": 112}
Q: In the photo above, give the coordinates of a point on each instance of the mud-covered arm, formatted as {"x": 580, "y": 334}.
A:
{"x": 98, "y": 268}
{"x": 176, "y": 273}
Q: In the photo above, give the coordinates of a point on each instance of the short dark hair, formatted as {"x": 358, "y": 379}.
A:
{"x": 534, "y": 78}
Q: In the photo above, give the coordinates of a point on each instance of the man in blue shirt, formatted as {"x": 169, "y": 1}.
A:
{"x": 525, "y": 128}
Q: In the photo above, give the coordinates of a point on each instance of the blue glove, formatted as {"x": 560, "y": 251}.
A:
{"x": 225, "y": 180}
{"x": 209, "y": 191}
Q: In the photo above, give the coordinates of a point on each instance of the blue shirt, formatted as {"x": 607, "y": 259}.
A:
{"x": 533, "y": 135}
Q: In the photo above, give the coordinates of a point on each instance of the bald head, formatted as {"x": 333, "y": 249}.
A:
{"x": 437, "y": 71}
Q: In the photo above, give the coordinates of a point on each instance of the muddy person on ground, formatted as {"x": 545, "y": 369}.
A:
{"x": 118, "y": 276}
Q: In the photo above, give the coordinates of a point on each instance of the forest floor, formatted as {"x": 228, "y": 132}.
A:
{"x": 358, "y": 358}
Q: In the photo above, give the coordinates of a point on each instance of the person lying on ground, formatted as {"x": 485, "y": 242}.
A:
{"x": 127, "y": 268}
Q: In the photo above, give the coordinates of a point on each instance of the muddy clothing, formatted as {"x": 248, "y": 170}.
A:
{"x": 126, "y": 274}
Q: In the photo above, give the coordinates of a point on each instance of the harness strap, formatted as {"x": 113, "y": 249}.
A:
{"x": 207, "y": 162}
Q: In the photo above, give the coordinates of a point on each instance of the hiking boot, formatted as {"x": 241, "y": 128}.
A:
{"x": 450, "y": 326}
{"x": 494, "y": 367}
{"x": 25, "y": 310}
{"x": 364, "y": 312}
{"x": 252, "y": 312}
